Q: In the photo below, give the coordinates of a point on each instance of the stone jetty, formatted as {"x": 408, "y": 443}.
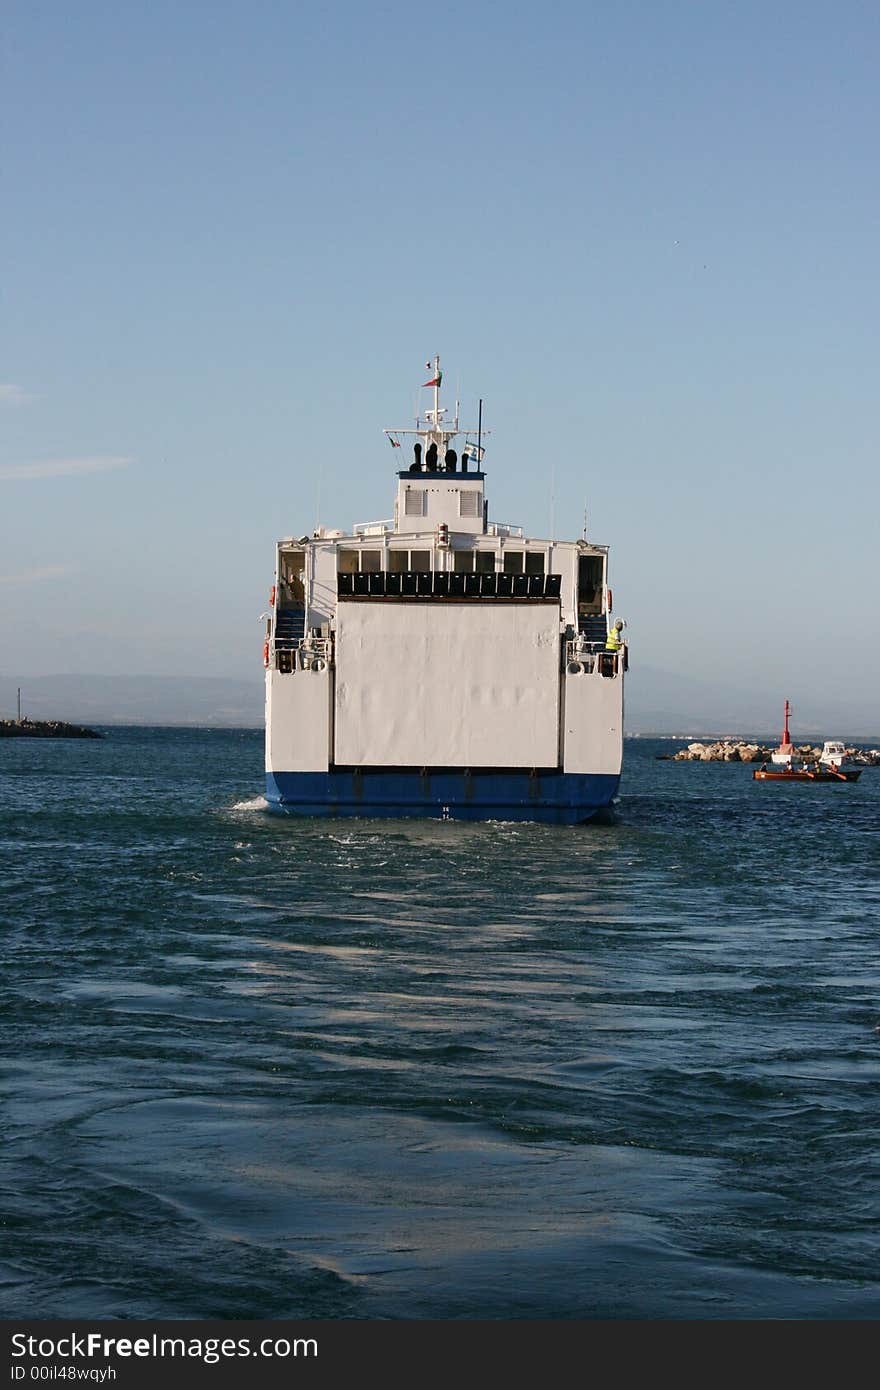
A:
{"x": 44, "y": 728}
{"x": 730, "y": 751}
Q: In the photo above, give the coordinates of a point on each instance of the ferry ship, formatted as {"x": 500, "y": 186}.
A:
{"x": 441, "y": 664}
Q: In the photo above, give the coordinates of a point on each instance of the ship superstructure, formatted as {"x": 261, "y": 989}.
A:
{"x": 441, "y": 664}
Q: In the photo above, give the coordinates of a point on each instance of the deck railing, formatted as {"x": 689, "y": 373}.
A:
{"x": 303, "y": 654}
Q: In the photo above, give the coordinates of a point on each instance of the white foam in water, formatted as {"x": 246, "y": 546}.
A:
{"x": 258, "y": 803}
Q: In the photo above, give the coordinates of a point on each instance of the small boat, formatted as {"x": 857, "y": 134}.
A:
{"x": 816, "y": 773}
{"x": 828, "y": 768}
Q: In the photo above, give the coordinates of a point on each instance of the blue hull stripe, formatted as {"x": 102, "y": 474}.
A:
{"x": 557, "y": 798}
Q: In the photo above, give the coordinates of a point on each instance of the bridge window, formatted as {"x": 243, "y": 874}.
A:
{"x": 535, "y": 561}
{"x": 350, "y": 561}
{"x": 399, "y": 561}
{"x": 466, "y": 561}
{"x": 513, "y": 562}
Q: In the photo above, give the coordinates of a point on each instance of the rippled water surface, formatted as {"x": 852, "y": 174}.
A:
{"x": 260, "y": 1067}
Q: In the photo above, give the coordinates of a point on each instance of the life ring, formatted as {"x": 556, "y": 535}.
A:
{"x": 265, "y": 653}
{"x": 610, "y": 601}
{"x": 272, "y": 597}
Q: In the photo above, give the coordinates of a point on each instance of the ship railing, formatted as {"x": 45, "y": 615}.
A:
{"x": 579, "y": 657}
{"x": 583, "y": 658}
{"x": 321, "y": 646}
{"x": 581, "y": 646}
{"x": 303, "y": 654}
{"x": 372, "y": 528}
{"x": 502, "y": 528}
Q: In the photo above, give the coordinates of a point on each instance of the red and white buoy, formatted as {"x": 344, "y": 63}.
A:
{"x": 785, "y": 746}
{"x": 783, "y": 754}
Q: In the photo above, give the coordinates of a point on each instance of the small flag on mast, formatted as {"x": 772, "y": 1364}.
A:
{"x": 436, "y": 379}
{"x": 395, "y": 443}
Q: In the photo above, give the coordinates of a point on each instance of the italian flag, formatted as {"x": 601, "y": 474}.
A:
{"x": 435, "y": 381}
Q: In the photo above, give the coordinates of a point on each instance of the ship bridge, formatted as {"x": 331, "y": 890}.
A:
{"x": 448, "y": 498}
{"x": 441, "y": 486}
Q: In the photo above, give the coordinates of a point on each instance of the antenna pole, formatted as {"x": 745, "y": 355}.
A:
{"x": 479, "y": 433}
{"x": 318, "y": 496}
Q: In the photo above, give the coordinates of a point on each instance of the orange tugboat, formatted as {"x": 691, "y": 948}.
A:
{"x": 828, "y": 768}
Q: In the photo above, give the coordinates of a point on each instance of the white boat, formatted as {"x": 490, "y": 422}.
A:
{"x": 439, "y": 663}
{"x": 833, "y": 754}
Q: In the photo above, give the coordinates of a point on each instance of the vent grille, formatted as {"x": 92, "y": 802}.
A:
{"x": 469, "y": 504}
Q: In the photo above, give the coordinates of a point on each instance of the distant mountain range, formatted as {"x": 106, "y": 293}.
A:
{"x": 657, "y": 701}
{"x": 666, "y": 702}
{"x": 195, "y": 700}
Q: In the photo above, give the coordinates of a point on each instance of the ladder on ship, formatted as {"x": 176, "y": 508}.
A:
{"x": 594, "y": 627}
{"x": 290, "y": 628}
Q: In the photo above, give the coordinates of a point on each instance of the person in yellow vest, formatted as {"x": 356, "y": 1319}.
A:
{"x": 614, "y": 640}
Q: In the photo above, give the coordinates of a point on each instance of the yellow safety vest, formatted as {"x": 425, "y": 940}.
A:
{"x": 614, "y": 641}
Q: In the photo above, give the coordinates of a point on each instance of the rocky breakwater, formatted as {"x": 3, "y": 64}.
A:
{"x": 723, "y": 751}
{"x": 729, "y": 751}
{"x": 44, "y": 728}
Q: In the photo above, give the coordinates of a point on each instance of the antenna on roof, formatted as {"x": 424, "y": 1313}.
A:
{"x": 318, "y": 485}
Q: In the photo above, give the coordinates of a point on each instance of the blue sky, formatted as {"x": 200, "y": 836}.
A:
{"x": 645, "y": 234}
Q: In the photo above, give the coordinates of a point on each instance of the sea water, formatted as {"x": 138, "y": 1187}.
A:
{"x": 262, "y": 1067}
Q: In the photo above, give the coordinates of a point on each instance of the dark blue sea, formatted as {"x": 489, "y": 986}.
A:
{"x": 266, "y": 1068}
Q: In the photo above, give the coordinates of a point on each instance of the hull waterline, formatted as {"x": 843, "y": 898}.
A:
{"x": 551, "y": 798}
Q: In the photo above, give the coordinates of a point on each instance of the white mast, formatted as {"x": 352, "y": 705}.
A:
{"x": 431, "y": 428}
{"x": 437, "y": 394}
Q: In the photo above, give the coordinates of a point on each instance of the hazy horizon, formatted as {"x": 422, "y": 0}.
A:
{"x": 657, "y": 702}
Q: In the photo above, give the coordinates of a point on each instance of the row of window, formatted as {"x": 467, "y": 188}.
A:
{"x": 416, "y": 502}
{"x": 419, "y": 561}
